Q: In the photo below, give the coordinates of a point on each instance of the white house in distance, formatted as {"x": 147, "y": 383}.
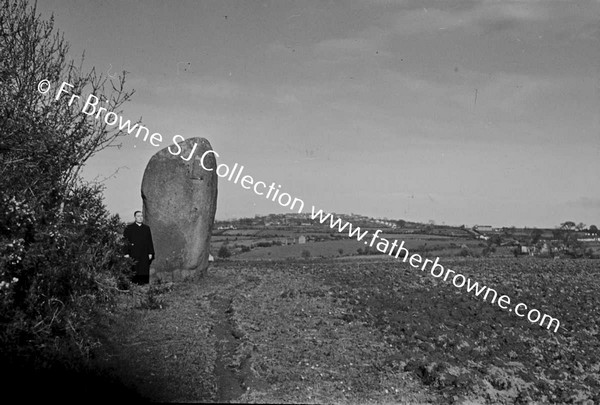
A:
{"x": 301, "y": 240}
{"x": 483, "y": 228}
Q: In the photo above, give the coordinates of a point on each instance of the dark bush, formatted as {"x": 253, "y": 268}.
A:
{"x": 58, "y": 271}
{"x": 464, "y": 252}
{"x": 224, "y": 252}
{"x": 61, "y": 259}
{"x": 488, "y": 250}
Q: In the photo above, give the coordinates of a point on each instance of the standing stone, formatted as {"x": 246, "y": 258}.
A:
{"x": 179, "y": 204}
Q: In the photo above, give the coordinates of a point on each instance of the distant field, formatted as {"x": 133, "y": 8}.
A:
{"x": 241, "y": 232}
{"x": 339, "y": 244}
{"x": 326, "y": 249}
{"x": 414, "y": 243}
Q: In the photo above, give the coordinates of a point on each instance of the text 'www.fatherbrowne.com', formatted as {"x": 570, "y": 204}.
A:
{"x": 396, "y": 250}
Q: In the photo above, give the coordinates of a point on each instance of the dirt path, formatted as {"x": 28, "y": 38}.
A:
{"x": 230, "y": 382}
{"x": 252, "y": 334}
{"x": 184, "y": 351}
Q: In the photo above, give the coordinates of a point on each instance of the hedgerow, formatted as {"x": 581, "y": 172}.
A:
{"x": 60, "y": 250}
{"x": 57, "y": 272}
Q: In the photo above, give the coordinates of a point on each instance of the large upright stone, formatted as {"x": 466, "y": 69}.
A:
{"x": 180, "y": 200}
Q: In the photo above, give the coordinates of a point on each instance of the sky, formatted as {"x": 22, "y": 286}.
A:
{"x": 460, "y": 112}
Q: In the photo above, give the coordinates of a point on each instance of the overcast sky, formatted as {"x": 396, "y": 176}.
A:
{"x": 461, "y": 112}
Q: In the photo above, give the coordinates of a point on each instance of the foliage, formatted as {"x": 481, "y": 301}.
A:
{"x": 568, "y": 225}
{"x": 536, "y": 235}
{"x": 224, "y": 252}
{"x": 154, "y": 296}
{"x": 495, "y": 240}
{"x": 465, "y": 251}
{"x": 264, "y": 244}
{"x": 60, "y": 250}
{"x": 488, "y": 250}
{"x": 246, "y": 221}
{"x": 306, "y": 253}
{"x": 45, "y": 142}
{"x": 58, "y": 270}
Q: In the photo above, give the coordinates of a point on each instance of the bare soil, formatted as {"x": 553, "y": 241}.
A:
{"x": 345, "y": 332}
{"x": 249, "y": 333}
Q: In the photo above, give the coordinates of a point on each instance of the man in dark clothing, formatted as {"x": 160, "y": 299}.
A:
{"x": 140, "y": 248}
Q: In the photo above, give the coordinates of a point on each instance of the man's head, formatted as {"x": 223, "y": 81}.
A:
{"x": 139, "y": 217}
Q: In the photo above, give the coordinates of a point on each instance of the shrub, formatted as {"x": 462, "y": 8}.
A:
{"x": 152, "y": 299}
{"x": 224, "y": 252}
{"x": 61, "y": 259}
{"x": 306, "y": 253}
{"x": 58, "y": 271}
{"x": 488, "y": 250}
